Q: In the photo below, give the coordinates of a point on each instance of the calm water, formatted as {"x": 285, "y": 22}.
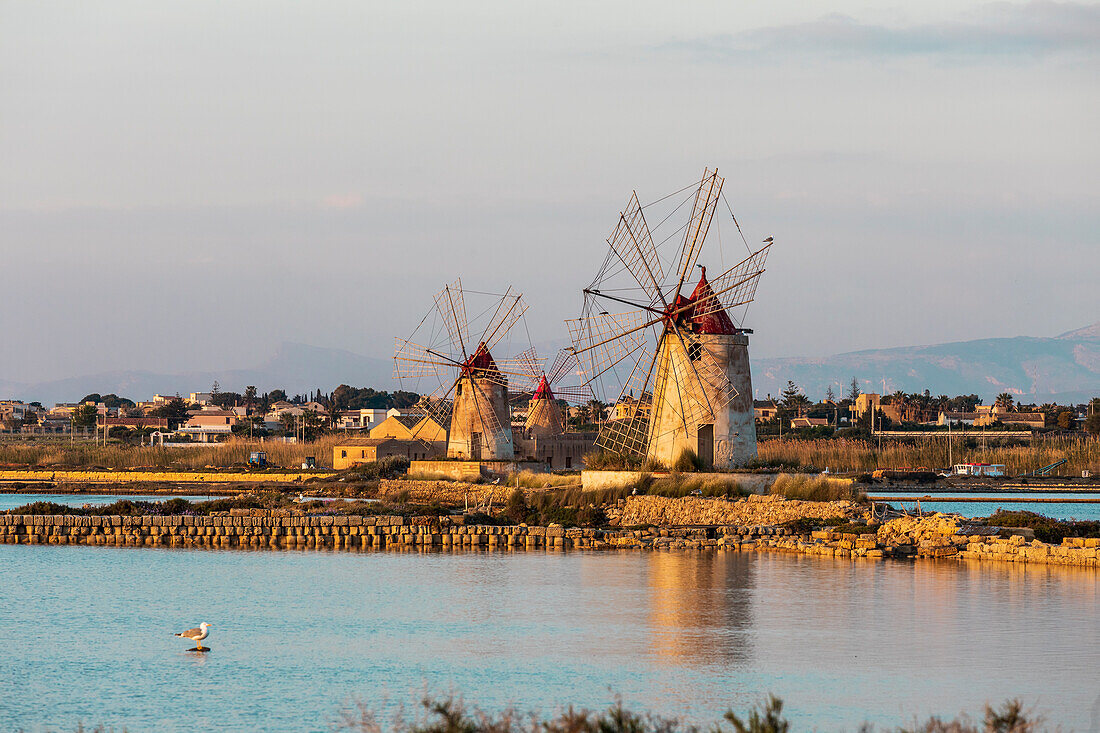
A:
{"x": 299, "y": 636}
{"x": 11, "y": 501}
{"x": 1016, "y": 501}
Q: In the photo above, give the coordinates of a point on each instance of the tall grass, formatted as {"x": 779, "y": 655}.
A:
{"x": 812, "y": 488}
{"x": 530, "y": 480}
{"x": 861, "y": 455}
{"x": 677, "y": 484}
{"x": 221, "y": 455}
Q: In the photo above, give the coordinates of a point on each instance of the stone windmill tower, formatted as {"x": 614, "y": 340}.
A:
{"x": 676, "y": 366}
{"x": 468, "y": 387}
{"x": 551, "y": 386}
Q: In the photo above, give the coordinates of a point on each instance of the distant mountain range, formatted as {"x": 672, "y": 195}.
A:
{"x": 1064, "y": 368}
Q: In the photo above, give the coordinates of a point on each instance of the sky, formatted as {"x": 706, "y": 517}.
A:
{"x": 185, "y": 185}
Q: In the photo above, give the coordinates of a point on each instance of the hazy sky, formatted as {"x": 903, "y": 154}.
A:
{"x": 185, "y": 185}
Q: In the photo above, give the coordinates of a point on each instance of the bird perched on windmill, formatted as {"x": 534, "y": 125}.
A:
{"x": 676, "y": 367}
{"x": 197, "y": 635}
{"x": 549, "y": 385}
{"x": 468, "y": 386}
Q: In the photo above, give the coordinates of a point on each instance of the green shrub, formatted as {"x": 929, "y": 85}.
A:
{"x": 388, "y": 467}
{"x": 1046, "y": 528}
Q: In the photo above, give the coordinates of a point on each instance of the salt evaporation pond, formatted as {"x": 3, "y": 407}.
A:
{"x": 1013, "y": 502}
{"x": 11, "y": 501}
{"x": 299, "y": 636}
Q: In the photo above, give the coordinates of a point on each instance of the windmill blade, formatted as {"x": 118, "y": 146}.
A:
{"x": 451, "y": 306}
{"x": 564, "y": 363}
{"x": 736, "y": 286}
{"x": 629, "y": 435}
{"x": 529, "y": 364}
{"x": 438, "y": 406}
{"x": 509, "y": 310}
{"x": 413, "y": 361}
{"x": 577, "y": 395}
{"x": 688, "y": 381}
{"x": 702, "y": 213}
{"x": 632, "y": 243}
{"x": 602, "y": 342}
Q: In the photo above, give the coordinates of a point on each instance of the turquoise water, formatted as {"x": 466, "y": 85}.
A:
{"x": 300, "y": 636}
{"x": 11, "y": 501}
{"x": 1015, "y": 501}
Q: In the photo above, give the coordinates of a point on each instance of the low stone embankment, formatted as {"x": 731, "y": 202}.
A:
{"x": 123, "y": 477}
{"x": 899, "y": 538}
{"x": 296, "y": 532}
{"x": 754, "y": 524}
{"x": 753, "y": 510}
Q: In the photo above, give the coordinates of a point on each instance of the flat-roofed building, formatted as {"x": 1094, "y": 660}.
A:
{"x": 347, "y": 453}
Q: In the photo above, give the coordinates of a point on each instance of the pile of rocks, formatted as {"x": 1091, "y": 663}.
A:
{"x": 755, "y": 510}
{"x": 933, "y": 536}
{"x": 1072, "y": 551}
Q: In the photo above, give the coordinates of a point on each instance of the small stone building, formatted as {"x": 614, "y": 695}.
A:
{"x": 366, "y": 450}
{"x": 562, "y": 452}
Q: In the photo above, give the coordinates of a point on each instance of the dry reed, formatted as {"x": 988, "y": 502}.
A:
{"x": 220, "y": 455}
{"x": 863, "y": 456}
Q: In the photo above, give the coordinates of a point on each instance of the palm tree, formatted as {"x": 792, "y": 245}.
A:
{"x": 1004, "y": 400}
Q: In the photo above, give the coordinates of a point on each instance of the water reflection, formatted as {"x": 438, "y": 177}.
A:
{"x": 679, "y": 633}
{"x": 700, "y": 608}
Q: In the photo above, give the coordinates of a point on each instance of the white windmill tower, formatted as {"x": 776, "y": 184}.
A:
{"x": 468, "y": 387}
{"x": 676, "y": 367}
{"x": 550, "y": 385}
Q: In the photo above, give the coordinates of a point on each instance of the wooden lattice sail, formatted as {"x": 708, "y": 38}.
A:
{"x": 468, "y": 386}
{"x": 675, "y": 366}
{"x": 554, "y": 385}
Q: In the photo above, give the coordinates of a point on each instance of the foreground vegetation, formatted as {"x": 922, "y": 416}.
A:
{"x": 452, "y": 715}
{"x": 864, "y": 456}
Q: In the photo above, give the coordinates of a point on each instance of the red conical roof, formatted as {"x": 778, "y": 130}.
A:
{"x": 482, "y": 360}
{"x": 543, "y": 392}
{"x": 712, "y": 316}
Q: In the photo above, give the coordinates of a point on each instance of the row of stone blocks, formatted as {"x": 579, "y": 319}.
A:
{"x": 340, "y": 532}
{"x": 1072, "y": 551}
{"x": 390, "y": 532}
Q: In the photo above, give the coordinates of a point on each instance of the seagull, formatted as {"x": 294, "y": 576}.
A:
{"x": 197, "y": 635}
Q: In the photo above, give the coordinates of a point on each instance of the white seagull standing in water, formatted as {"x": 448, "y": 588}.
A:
{"x": 197, "y": 635}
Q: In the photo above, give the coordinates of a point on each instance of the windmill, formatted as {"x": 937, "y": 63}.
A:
{"x": 548, "y": 387}
{"x": 469, "y": 388}
{"x": 676, "y": 367}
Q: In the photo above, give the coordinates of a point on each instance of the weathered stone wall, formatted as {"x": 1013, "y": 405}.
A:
{"x": 450, "y": 493}
{"x": 291, "y": 532}
{"x": 264, "y": 531}
{"x": 756, "y": 483}
{"x": 1072, "y": 551}
{"x": 753, "y": 510}
{"x": 472, "y": 470}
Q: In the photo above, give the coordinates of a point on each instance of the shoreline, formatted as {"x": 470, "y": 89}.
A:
{"x": 933, "y": 537}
